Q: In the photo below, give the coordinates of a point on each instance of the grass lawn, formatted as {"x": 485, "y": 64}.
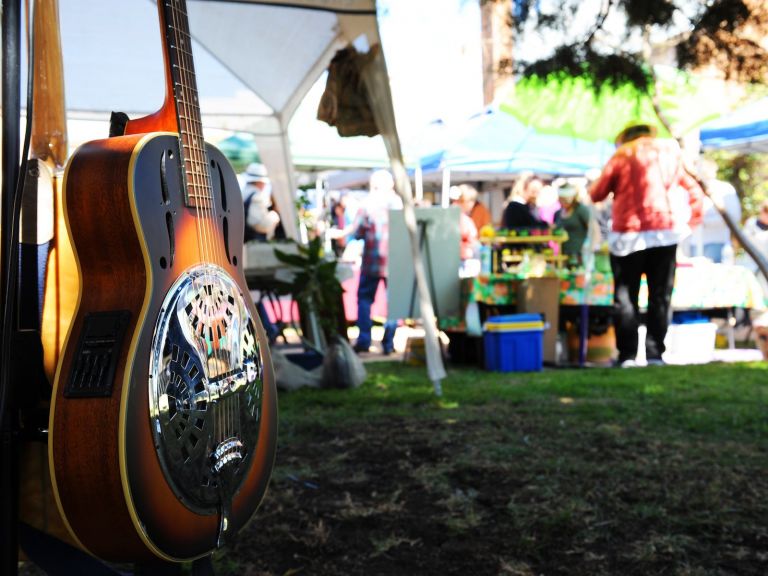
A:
{"x": 654, "y": 471}
{"x": 586, "y": 472}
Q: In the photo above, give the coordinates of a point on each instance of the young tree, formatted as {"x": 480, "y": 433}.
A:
{"x": 749, "y": 175}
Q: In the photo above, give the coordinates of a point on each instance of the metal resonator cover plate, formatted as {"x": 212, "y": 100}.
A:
{"x": 205, "y": 388}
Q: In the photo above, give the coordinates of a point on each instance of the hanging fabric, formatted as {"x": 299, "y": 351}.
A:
{"x": 344, "y": 103}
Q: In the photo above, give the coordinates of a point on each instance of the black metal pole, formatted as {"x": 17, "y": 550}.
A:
{"x": 9, "y": 479}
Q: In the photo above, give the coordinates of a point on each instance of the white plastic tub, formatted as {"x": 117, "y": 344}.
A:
{"x": 692, "y": 343}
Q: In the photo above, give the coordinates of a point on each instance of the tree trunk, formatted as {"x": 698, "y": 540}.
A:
{"x": 497, "y": 42}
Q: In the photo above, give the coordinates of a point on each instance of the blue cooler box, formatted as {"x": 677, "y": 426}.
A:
{"x": 514, "y": 343}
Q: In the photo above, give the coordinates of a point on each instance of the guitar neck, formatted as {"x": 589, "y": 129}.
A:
{"x": 49, "y": 125}
{"x": 180, "y": 74}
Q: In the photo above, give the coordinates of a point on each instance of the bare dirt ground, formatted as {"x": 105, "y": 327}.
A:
{"x": 501, "y": 492}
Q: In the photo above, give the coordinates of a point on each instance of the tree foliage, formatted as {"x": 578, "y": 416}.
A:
{"x": 749, "y": 175}
{"x": 613, "y": 48}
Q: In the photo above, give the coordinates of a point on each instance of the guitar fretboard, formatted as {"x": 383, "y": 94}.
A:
{"x": 178, "y": 43}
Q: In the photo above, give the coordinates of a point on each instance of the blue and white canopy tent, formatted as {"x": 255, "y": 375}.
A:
{"x": 744, "y": 130}
{"x": 494, "y": 145}
{"x": 494, "y": 142}
{"x": 559, "y": 125}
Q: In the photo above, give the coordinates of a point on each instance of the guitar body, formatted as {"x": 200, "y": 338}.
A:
{"x": 61, "y": 286}
{"x": 163, "y": 428}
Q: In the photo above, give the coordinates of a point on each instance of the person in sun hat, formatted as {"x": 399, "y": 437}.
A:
{"x": 261, "y": 220}
{"x": 573, "y": 216}
{"x": 655, "y": 202}
{"x": 634, "y": 130}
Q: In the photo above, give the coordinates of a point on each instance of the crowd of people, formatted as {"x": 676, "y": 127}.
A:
{"x": 644, "y": 209}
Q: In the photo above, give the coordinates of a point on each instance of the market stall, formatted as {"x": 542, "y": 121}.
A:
{"x": 702, "y": 287}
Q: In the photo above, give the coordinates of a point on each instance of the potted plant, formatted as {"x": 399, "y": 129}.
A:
{"x": 316, "y": 289}
{"x": 319, "y": 294}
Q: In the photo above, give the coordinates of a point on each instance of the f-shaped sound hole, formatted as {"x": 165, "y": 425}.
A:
{"x": 171, "y": 237}
{"x": 222, "y": 187}
{"x": 225, "y": 232}
{"x": 167, "y": 155}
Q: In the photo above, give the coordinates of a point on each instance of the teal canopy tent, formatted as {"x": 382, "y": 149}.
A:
{"x": 240, "y": 149}
{"x": 494, "y": 142}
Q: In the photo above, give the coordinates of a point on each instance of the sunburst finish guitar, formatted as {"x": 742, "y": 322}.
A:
{"x": 163, "y": 428}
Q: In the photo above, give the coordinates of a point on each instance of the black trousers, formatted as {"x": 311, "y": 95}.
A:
{"x": 658, "y": 265}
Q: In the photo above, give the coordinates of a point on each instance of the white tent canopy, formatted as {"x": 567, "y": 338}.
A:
{"x": 255, "y": 61}
{"x": 279, "y": 53}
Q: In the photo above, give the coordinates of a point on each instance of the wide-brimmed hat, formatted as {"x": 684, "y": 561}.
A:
{"x": 256, "y": 172}
{"x": 635, "y": 130}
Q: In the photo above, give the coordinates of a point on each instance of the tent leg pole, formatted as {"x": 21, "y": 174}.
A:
{"x": 419, "y": 182}
{"x": 445, "y": 201}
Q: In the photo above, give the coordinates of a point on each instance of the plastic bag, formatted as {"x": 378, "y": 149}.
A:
{"x": 291, "y": 376}
{"x": 342, "y": 368}
{"x": 472, "y": 319}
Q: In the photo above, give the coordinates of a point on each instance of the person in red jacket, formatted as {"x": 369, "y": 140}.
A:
{"x": 655, "y": 202}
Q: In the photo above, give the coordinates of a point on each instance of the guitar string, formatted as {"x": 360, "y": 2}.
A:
{"x": 189, "y": 70}
{"x": 203, "y": 188}
{"x": 182, "y": 113}
{"x": 166, "y": 15}
{"x": 202, "y": 181}
{"x": 191, "y": 179}
{"x": 187, "y": 128}
{"x": 171, "y": 42}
